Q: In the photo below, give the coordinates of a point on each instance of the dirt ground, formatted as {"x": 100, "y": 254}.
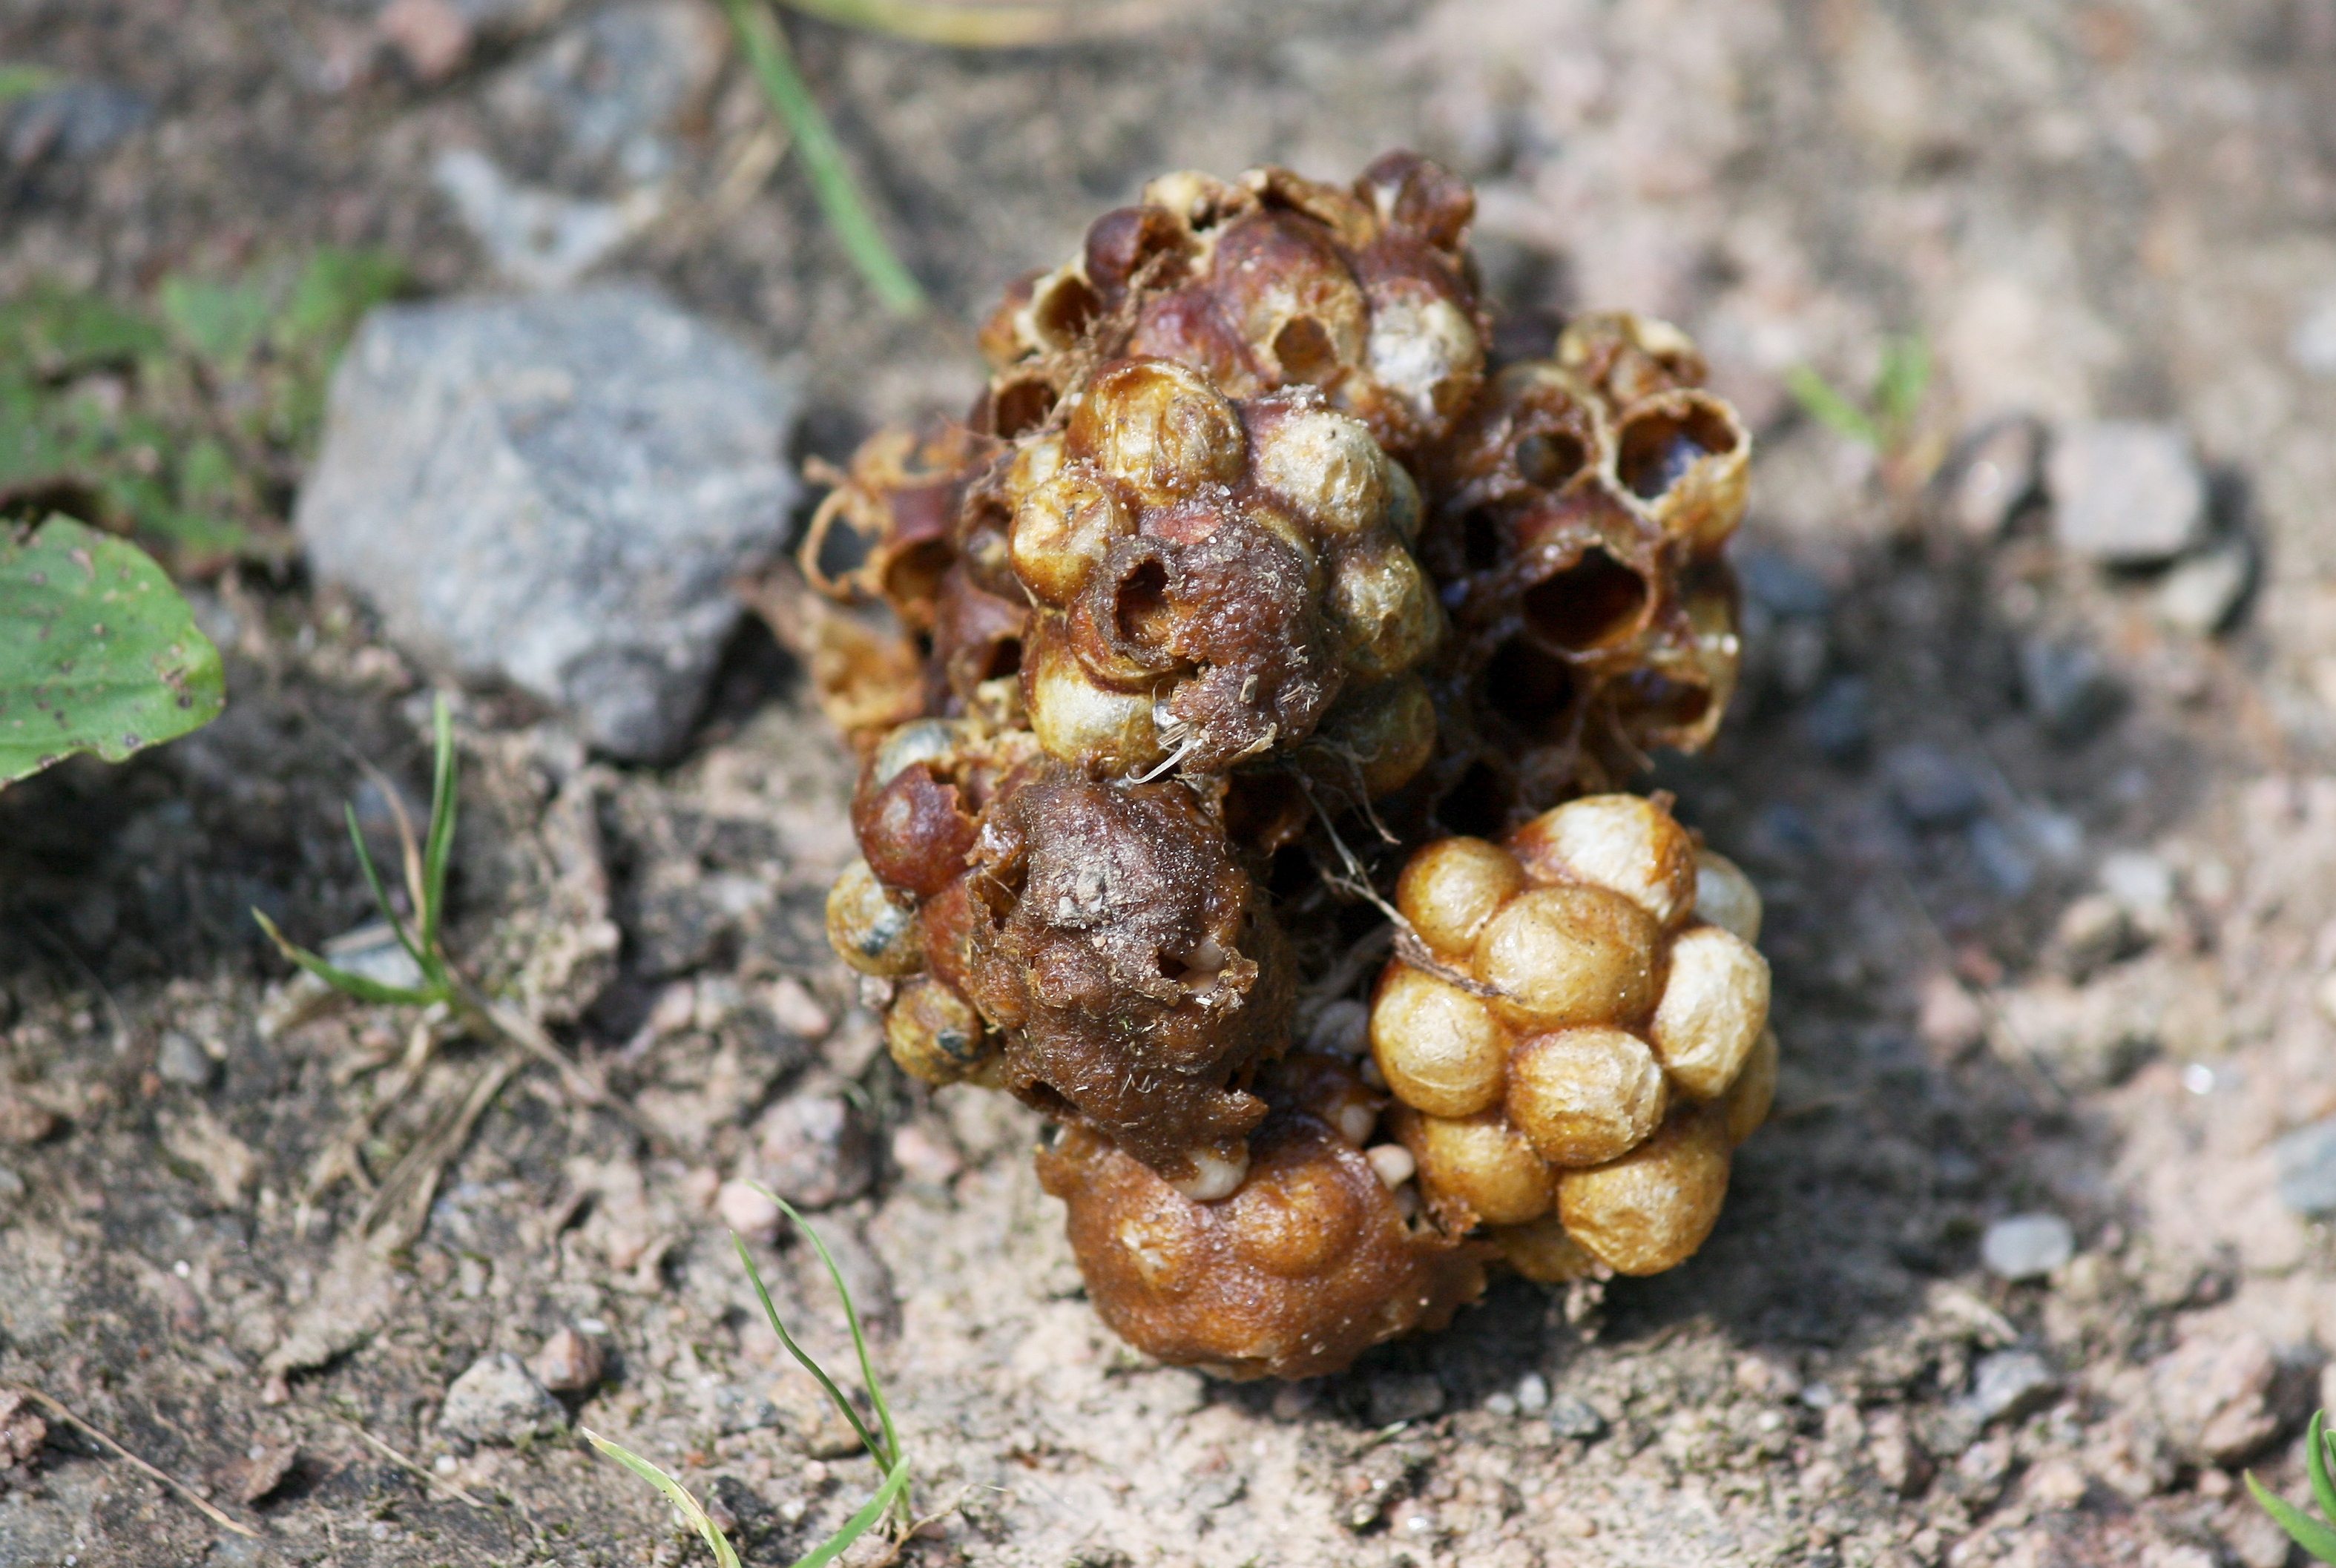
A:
{"x": 2089, "y": 978}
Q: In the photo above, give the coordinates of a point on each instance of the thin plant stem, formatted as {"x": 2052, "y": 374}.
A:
{"x": 1003, "y": 26}
{"x": 839, "y": 195}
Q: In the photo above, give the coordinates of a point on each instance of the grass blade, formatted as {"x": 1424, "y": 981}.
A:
{"x": 839, "y": 197}
{"x": 380, "y": 895}
{"x": 2318, "y": 1444}
{"x": 341, "y": 979}
{"x": 896, "y": 1483}
{"x": 2306, "y": 1532}
{"x": 1905, "y": 377}
{"x": 892, "y": 1449}
{"x": 23, "y": 81}
{"x": 1008, "y": 26}
{"x": 442, "y": 823}
{"x": 802, "y": 1358}
{"x": 1829, "y": 408}
{"x": 724, "y": 1556}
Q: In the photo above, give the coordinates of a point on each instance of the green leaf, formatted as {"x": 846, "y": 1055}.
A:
{"x": 97, "y": 652}
{"x": 334, "y": 290}
{"x": 724, "y": 1556}
{"x": 221, "y": 323}
{"x": 1829, "y": 408}
{"x": 1905, "y": 377}
{"x": 2318, "y": 1444}
{"x": 2306, "y": 1532}
{"x": 341, "y": 979}
{"x": 58, "y": 332}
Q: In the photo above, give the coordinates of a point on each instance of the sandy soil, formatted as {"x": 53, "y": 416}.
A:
{"x": 2103, "y": 209}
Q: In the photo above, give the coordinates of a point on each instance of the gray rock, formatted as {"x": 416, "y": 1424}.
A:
{"x": 2125, "y": 492}
{"x": 2027, "y": 1246}
{"x": 1932, "y": 788}
{"x": 1571, "y": 1416}
{"x": 2306, "y": 1162}
{"x": 814, "y": 1150}
{"x": 74, "y": 119}
{"x": 497, "y": 1402}
{"x": 180, "y": 1059}
{"x": 1404, "y": 1397}
{"x": 2068, "y": 688}
{"x": 555, "y": 491}
{"x": 2214, "y": 1396}
{"x": 2201, "y": 594}
{"x": 2008, "y": 1383}
{"x": 1991, "y": 476}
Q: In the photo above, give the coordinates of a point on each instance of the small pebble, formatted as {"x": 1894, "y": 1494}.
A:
{"x": 1992, "y": 475}
{"x": 1570, "y": 1415}
{"x": 2001, "y": 858}
{"x": 2125, "y": 492}
{"x": 2306, "y": 1162}
{"x": 2141, "y": 882}
{"x": 569, "y": 1363}
{"x": 2027, "y": 1246}
{"x": 748, "y": 1211}
{"x": 925, "y": 1155}
{"x": 1532, "y": 1394}
{"x": 814, "y": 1150}
{"x": 496, "y": 1401}
{"x": 1839, "y": 720}
{"x": 22, "y": 1122}
{"x": 1781, "y": 584}
{"x": 2067, "y": 687}
{"x": 795, "y": 1010}
{"x": 2213, "y": 1395}
{"x": 1932, "y": 789}
{"x": 2009, "y": 1382}
{"x": 180, "y": 1059}
{"x": 1767, "y": 1376}
{"x": 2201, "y": 594}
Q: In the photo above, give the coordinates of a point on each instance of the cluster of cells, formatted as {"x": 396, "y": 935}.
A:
{"x": 1248, "y": 556}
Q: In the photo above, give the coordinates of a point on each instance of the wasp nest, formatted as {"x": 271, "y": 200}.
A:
{"x": 1206, "y": 576}
{"x": 1362, "y": 292}
{"x": 1312, "y": 1260}
{"x": 1585, "y": 1036}
{"x": 1242, "y": 542}
{"x": 1578, "y": 516}
{"x": 1094, "y": 947}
